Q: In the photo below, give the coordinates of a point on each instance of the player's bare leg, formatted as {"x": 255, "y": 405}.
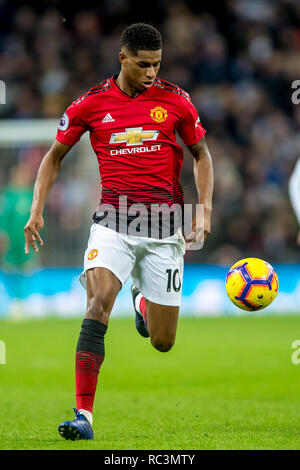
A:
{"x": 159, "y": 322}
{"x": 162, "y": 325}
{"x": 102, "y": 289}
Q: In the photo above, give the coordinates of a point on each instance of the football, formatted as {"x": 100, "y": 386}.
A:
{"x": 251, "y": 284}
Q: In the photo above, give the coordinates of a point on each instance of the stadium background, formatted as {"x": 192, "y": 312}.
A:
{"x": 236, "y": 58}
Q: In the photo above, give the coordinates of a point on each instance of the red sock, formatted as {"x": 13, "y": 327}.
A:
{"x": 143, "y": 309}
{"x": 90, "y": 354}
{"x": 87, "y": 366}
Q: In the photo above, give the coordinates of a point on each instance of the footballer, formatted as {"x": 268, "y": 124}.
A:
{"x": 133, "y": 118}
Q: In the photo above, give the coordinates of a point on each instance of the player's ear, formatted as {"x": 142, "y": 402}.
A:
{"x": 122, "y": 55}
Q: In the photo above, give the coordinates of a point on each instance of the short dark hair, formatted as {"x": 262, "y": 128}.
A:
{"x": 141, "y": 36}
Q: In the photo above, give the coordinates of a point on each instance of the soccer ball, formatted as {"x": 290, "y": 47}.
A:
{"x": 251, "y": 284}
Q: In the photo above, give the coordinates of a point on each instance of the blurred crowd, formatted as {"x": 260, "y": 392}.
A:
{"x": 237, "y": 60}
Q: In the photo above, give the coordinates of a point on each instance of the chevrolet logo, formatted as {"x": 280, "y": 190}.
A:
{"x": 133, "y": 136}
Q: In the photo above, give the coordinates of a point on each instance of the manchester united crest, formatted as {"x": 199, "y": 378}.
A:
{"x": 92, "y": 254}
{"x": 159, "y": 114}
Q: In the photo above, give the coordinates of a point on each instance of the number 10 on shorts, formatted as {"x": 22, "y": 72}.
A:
{"x": 174, "y": 281}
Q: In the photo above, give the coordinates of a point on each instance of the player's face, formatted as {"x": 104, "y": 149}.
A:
{"x": 140, "y": 70}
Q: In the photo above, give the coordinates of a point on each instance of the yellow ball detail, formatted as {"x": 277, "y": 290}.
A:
{"x": 251, "y": 284}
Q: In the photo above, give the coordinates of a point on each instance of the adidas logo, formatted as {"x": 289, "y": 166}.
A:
{"x": 108, "y": 118}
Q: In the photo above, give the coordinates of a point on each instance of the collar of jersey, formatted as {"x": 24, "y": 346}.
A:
{"x": 123, "y": 94}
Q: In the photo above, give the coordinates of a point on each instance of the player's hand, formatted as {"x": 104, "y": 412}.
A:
{"x": 200, "y": 230}
{"x": 31, "y": 230}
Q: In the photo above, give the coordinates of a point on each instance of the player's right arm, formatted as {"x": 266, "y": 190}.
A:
{"x": 71, "y": 127}
{"x": 47, "y": 174}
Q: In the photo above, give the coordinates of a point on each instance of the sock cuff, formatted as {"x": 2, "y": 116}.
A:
{"x": 95, "y": 325}
{"x": 91, "y": 337}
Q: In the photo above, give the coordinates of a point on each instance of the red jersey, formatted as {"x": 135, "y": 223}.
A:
{"x": 135, "y": 139}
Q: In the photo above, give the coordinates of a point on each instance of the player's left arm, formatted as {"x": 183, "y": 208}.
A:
{"x": 204, "y": 181}
{"x": 192, "y": 133}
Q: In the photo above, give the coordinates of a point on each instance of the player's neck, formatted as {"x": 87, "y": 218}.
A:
{"x": 126, "y": 87}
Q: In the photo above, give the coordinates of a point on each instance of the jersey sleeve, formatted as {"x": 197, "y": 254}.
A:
{"x": 190, "y": 128}
{"x": 72, "y": 124}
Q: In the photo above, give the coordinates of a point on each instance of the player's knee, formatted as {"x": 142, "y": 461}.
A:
{"x": 162, "y": 344}
{"x": 97, "y": 310}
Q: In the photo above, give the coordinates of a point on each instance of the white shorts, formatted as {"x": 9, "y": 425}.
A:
{"x": 156, "y": 266}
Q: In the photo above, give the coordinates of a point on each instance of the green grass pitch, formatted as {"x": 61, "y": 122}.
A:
{"x": 228, "y": 383}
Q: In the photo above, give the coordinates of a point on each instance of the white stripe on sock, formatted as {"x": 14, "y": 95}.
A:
{"x": 137, "y": 302}
{"x": 88, "y": 415}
